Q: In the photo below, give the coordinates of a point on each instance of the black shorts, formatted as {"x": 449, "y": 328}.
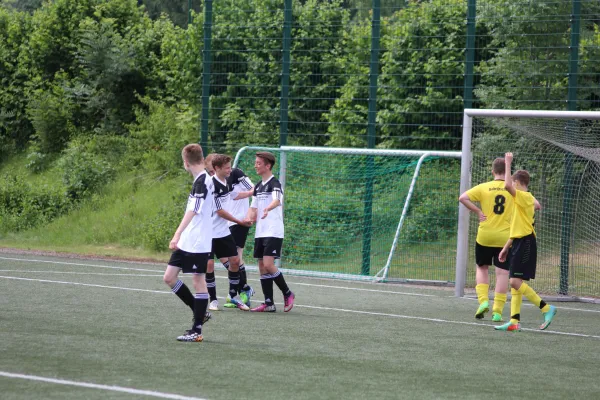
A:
{"x": 189, "y": 263}
{"x": 223, "y": 247}
{"x": 240, "y": 234}
{"x": 485, "y": 255}
{"x": 522, "y": 258}
{"x": 267, "y": 246}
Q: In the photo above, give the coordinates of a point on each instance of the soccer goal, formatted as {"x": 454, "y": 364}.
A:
{"x": 561, "y": 151}
{"x": 366, "y": 214}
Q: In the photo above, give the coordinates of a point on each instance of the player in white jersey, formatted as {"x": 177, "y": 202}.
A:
{"x": 241, "y": 189}
{"x": 266, "y": 211}
{"x": 191, "y": 243}
{"x": 223, "y": 243}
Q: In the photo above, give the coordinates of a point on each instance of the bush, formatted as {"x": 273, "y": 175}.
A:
{"x": 161, "y": 133}
{"x": 24, "y": 205}
{"x": 157, "y": 233}
{"x": 83, "y": 172}
{"x": 51, "y": 113}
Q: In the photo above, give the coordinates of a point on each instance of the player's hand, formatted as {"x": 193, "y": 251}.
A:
{"x": 265, "y": 213}
{"x": 246, "y": 222}
{"x": 508, "y": 157}
{"x": 173, "y": 243}
{"x": 482, "y": 216}
{"x": 502, "y": 255}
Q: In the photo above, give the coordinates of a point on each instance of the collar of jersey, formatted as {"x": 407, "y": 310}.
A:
{"x": 199, "y": 175}
{"x": 220, "y": 181}
{"x": 265, "y": 182}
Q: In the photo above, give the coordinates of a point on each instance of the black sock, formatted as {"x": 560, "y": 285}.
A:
{"x": 226, "y": 265}
{"x": 183, "y": 292}
{"x": 280, "y": 282}
{"x": 200, "y": 306}
{"x": 234, "y": 282}
{"x": 243, "y": 279}
{"x": 266, "y": 281}
{"x": 211, "y": 285}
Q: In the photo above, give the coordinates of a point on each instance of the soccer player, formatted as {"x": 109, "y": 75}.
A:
{"x": 241, "y": 190}
{"x": 493, "y": 231}
{"x": 523, "y": 249}
{"x": 266, "y": 211}
{"x": 223, "y": 243}
{"x": 191, "y": 243}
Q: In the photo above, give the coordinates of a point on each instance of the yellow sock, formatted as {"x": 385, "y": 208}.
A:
{"x": 499, "y": 301}
{"x": 515, "y": 306}
{"x": 482, "y": 290}
{"x": 533, "y": 297}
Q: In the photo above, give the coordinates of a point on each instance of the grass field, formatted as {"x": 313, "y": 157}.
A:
{"x": 106, "y": 330}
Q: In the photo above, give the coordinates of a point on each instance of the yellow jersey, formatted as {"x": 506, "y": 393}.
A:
{"x": 523, "y": 217}
{"x": 497, "y": 205}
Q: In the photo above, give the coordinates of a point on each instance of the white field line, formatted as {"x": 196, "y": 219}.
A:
{"x": 121, "y": 389}
{"x": 316, "y": 308}
{"x": 252, "y": 280}
{"x": 77, "y": 273}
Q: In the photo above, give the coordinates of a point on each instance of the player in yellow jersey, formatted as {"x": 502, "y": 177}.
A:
{"x": 494, "y": 227}
{"x": 523, "y": 249}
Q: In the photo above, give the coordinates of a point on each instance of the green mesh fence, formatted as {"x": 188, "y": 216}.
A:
{"x": 563, "y": 159}
{"x": 336, "y": 224}
{"x": 526, "y": 54}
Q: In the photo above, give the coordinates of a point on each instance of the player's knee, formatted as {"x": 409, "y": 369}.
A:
{"x": 210, "y": 267}
{"x": 199, "y": 281}
{"x": 169, "y": 279}
{"x": 234, "y": 262}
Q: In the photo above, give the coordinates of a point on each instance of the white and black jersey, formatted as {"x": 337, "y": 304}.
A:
{"x": 239, "y": 182}
{"x": 264, "y": 194}
{"x": 197, "y": 236}
{"x": 222, "y": 200}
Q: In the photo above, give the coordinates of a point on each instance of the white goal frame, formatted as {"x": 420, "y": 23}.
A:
{"x": 462, "y": 242}
{"x": 382, "y": 275}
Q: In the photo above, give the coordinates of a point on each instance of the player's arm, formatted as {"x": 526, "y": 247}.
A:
{"x": 185, "y": 221}
{"x": 466, "y": 201}
{"x": 274, "y": 204}
{"x": 508, "y": 184}
{"x": 277, "y": 199}
{"x": 504, "y": 251}
{"x": 244, "y": 195}
{"x": 252, "y": 211}
{"x": 226, "y": 215}
{"x": 536, "y": 205}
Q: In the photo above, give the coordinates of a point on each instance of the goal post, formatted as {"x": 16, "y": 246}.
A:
{"x": 561, "y": 150}
{"x": 340, "y": 228}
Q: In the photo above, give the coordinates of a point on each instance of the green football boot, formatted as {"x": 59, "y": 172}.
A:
{"x": 508, "y": 327}
{"x": 228, "y": 303}
{"x": 548, "y": 317}
{"x": 497, "y": 317}
{"x": 483, "y": 308}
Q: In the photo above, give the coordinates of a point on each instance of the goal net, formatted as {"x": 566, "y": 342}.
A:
{"x": 561, "y": 151}
{"x": 365, "y": 214}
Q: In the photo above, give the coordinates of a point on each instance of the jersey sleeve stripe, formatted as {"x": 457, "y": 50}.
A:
{"x": 198, "y": 204}
{"x": 246, "y": 183}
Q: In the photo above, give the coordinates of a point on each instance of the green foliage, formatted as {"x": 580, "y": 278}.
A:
{"x": 24, "y": 205}
{"x": 83, "y": 172}
{"x": 160, "y": 134}
{"x": 50, "y": 112}
{"x": 433, "y": 209}
{"x": 159, "y": 229}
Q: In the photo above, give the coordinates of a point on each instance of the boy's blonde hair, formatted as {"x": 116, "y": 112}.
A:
{"x": 192, "y": 153}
